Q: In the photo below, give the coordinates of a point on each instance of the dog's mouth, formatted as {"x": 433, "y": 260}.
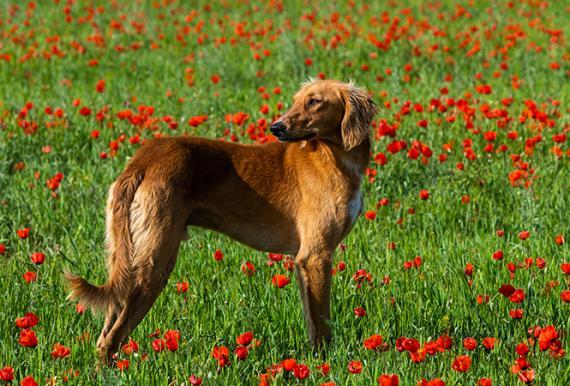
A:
{"x": 284, "y": 138}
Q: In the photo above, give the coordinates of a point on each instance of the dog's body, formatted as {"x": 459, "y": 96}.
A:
{"x": 299, "y": 198}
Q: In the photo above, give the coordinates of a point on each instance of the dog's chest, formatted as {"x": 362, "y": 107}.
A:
{"x": 354, "y": 208}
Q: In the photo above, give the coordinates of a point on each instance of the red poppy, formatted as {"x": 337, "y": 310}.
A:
{"x": 23, "y": 233}
{"x": 158, "y": 345}
{"x": 498, "y": 255}
{"x": 324, "y": 369}
{"x": 28, "y": 381}
{"x": 245, "y": 338}
{"x": 280, "y": 281}
{"x": 424, "y": 194}
{"x": 30, "y": 276}
{"x": 60, "y": 351}
{"x": 565, "y": 268}
{"x": 468, "y": 269}
{"x": 100, "y": 86}
{"x": 507, "y": 290}
{"x": 445, "y": 342}
{"x": 79, "y": 308}
{"x": 355, "y": 367}
{"x": 411, "y": 345}
{"x": 248, "y": 268}
{"x": 524, "y": 235}
{"x": 433, "y": 382}
{"x": 289, "y": 364}
{"x": 484, "y": 382}
{"x": 516, "y": 314}
{"x": 172, "y": 337}
{"x": 7, "y": 374}
{"x": 373, "y": 342}
{"x": 130, "y": 347}
{"x": 527, "y": 376}
{"x": 370, "y": 215}
{"x": 27, "y": 321}
{"x": 28, "y": 338}
{"x": 388, "y": 380}
{"x": 559, "y": 240}
{"x": 241, "y": 353}
{"x": 547, "y": 335}
{"x": 522, "y": 349}
{"x": 38, "y": 258}
{"x": 301, "y": 371}
{"x": 2, "y": 249}
{"x": 462, "y": 363}
{"x": 565, "y": 296}
{"x": 218, "y": 255}
{"x": 221, "y": 354}
{"x": 517, "y": 296}
{"x": 123, "y": 364}
{"x": 489, "y": 343}
{"x": 194, "y": 380}
{"x": 182, "y": 287}
{"x": 470, "y": 344}
{"x": 360, "y": 312}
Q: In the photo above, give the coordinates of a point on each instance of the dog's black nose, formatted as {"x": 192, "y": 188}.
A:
{"x": 277, "y": 128}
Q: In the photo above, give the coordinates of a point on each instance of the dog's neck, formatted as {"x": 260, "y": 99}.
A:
{"x": 351, "y": 162}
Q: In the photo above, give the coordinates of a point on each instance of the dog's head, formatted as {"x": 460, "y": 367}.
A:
{"x": 328, "y": 110}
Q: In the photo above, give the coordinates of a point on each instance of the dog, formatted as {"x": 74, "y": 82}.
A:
{"x": 299, "y": 195}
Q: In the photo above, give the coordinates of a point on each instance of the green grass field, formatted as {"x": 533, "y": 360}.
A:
{"x": 473, "y": 101}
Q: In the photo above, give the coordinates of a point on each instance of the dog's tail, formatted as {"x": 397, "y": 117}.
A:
{"x": 119, "y": 283}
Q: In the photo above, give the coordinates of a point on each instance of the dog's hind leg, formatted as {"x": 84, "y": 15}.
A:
{"x": 157, "y": 228}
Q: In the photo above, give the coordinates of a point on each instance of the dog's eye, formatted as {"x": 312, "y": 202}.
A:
{"x": 312, "y": 102}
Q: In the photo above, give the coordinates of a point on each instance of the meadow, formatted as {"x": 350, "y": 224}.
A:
{"x": 457, "y": 273}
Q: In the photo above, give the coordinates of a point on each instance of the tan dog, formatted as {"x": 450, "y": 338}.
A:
{"x": 299, "y": 196}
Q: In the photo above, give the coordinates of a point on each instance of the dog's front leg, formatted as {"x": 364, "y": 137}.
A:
{"x": 313, "y": 272}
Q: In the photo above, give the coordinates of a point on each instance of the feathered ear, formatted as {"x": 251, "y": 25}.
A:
{"x": 358, "y": 114}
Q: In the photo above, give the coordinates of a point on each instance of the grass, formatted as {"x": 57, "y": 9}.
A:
{"x": 164, "y": 56}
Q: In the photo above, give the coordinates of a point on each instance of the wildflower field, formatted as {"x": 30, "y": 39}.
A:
{"x": 457, "y": 273}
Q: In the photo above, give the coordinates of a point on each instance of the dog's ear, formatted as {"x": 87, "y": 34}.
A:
{"x": 358, "y": 113}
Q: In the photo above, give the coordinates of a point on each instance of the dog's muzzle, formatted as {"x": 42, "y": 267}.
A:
{"x": 278, "y": 129}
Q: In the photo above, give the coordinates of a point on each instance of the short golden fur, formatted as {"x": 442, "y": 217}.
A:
{"x": 298, "y": 196}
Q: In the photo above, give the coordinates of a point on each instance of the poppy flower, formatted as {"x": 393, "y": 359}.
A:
{"x": 462, "y": 363}
{"x": 547, "y": 335}
{"x": 289, "y": 364}
{"x": 516, "y": 314}
{"x": 158, "y": 345}
{"x": 468, "y": 269}
{"x": 527, "y": 376}
{"x": 38, "y": 258}
{"x": 388, "y": 380}
{"x": 433, "y": 382}
{"x": 355, "y": 367}
{"x": 130, "y": 347}
{"x": 359, "y": 312}
{"x": 370, "y": 215}
{"x": 194, "y": 380}
{"x": 245, "y": 338}
{"x": 221, "y": 354}
{"x": 489, "y": 343}
{"x": 241, "y": 353}
{"x": 565, "y": 268}
{"x": 559, "y": 240}
{"x": 23, "y": 233}
{"x": 484, "y": 382}
{"x": 507, "y": 290}
{"x": 522, "y": 349}
{"x": 324, "y": 369}
{"x": 27, "y": 321}
{"x": 411, "y": 345}
{"x": 373, "y": 342}
{"x": 123, "y": 364}
{"x": 470, "y": 344}
{"x": 182, "y": 287}
{"x": 280, "y": 281}
{"x": 524, "y": 235}
{"x": 218, "y": 255}
{"x": 424, "y": 194}
{"x": 7, "y": 374}
{"x": 172, "y": 337}
{"x": 517, "y": 296}
{"x": 498, "y": 255}
{"x": 59, "y": 351}
{"x": 565, "y": 296}
{"x": 28, "y": 381}
{"x": 2, "y": 249}
{"x": 301, "y": 371}
{"x": 248, "y": 268}
{"x": 30, "y": 276}
{"x": 28, "y": 338}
